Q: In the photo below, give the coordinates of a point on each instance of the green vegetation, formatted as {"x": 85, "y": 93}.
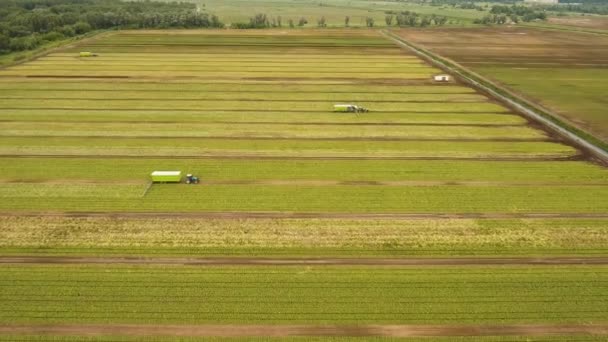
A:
{"x": 334, "y": 12}
{"x": 224, "y": 170}
{"x": 285, "y": 148}
{"x": 355, "y": 295}
{"x": 500, "y": 14}
{"x": 433, "y": 170}
{"x": 27, "y": 24}
{"x": 302, "y": 198}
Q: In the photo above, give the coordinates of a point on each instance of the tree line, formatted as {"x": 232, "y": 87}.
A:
{"x": 501, "y": 14}
{"x": 27, "y": 24}
{"x": 392, "y": 18}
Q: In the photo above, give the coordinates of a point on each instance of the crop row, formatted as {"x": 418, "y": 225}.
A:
{"x": 301, "y": 198}
{"x": 175, "y": 116}
{"x": 219, "y": 105}
{"x": 275, "y": 131}
{"x": 215, "y": 87}
{"x": 302, "y": 237}
{"x": 100, "y": 169}
{"x": 68, "y": 72}
{"x": 244, "y": 67}
{"x": 237, "y": 148}
{"x": 90, "y": 294}
{"x": 205, "y": 97}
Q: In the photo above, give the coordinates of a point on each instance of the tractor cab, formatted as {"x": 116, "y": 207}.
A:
{"x": 191, "y": 179}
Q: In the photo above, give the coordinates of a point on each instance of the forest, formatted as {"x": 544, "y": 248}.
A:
{"x": 27, "y": 24}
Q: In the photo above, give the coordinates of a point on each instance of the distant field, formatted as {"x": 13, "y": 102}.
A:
{"x": 563, "y": 71}
{"x": 334, "y": 11}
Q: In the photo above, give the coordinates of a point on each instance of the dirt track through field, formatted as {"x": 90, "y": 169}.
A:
{"x": 227, "y": 330}
{"x": 237, "y": 261}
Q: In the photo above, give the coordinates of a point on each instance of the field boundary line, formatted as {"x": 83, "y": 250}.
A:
{"x": 253, "y": 330}
{"x": 573, "y": 134}
{"x": 269, "y": 261}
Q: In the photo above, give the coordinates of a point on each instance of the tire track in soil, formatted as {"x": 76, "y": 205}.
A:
{"x": 244, "y": 261}
{"x": 250, "y": 330}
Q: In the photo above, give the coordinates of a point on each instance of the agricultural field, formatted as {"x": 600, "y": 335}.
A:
{"x": 564, "y": 71}
{"x": 334, "y": 11}
{"x": 439, "y": 215}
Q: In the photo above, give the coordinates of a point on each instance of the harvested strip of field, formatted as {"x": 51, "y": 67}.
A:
{"x": 398, "y": 262}
{"x": 251, "y": 130}
{"x": 567, "y": 335}
{"x": 239, "y": 96}
{"x": 246, "y": 105}
{"x": 269, "y": 89}
{"x": 521, "y": 333}
{"x": 336, "y": 199}
{"x": 345, "y": 295}
{"x": 312, "y": 237}
{"x": 239, "y": 148}
{"x": 267, "y": 117}
{"x": 531, "y": 172}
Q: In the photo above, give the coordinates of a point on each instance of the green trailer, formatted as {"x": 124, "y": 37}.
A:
{"x": 87, "y": 54}
{"x": 166, "y": 176}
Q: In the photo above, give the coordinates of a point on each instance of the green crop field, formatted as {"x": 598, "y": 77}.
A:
{"x": 121, "y": 294}
{"x": 434, "y": 171}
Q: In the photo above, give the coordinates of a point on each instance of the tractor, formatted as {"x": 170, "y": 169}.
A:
{"x": 191, "y": 179}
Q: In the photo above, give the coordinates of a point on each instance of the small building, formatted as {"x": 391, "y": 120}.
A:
{"x": 166, "y": 176}
{"x": 441, "y": 78}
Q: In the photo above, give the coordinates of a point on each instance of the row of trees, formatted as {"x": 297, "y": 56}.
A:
{"x": 402, "y": 19}
{"x": 413, "y": 19}
{"x": 26, "y": 24}
{"x": 500, "y": 14}
{"x": 590, "y": 8}
{"x": 261, "y": 20}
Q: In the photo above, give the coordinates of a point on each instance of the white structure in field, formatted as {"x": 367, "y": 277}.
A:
{"x": 441, "y": 78}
